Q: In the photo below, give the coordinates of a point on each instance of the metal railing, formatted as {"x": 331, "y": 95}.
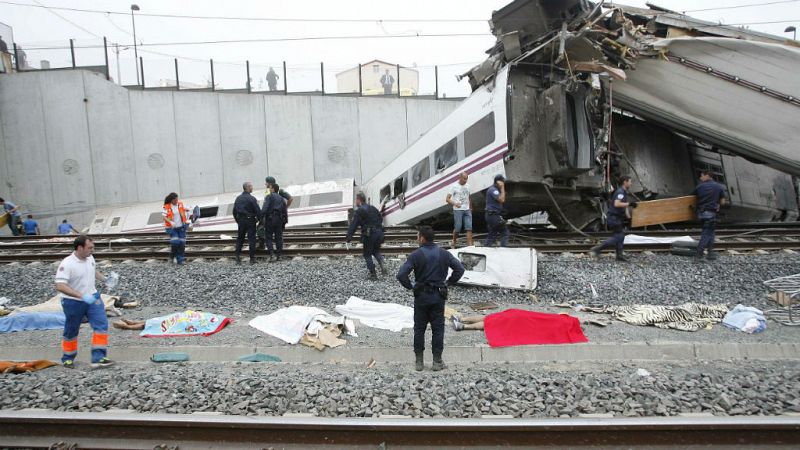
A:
{"x": 376, "y": 78}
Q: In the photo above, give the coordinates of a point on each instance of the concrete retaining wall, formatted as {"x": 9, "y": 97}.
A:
{"x": 72, "y": 141}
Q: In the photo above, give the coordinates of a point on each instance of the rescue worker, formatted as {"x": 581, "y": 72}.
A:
{"x": 270, "y": 181}
{"x": 370, "y": 220}
{"x": 175, "y": 224}
{"x": 275, "y": 216}
{"x": 495, "y": 224}
{"x": 710, "y": 196}
{"x": 31, "y": 226}
{"x": 246, "y": 213}
{"x": 429, "y": 263}
{"x": 14, "y": 215}
{"x": 67, "y": 228}
{"x": 616, "y": 219}
{"x": 75, "y": 280}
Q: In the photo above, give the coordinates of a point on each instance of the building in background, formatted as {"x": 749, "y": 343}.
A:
{"x": 371, "y": 73}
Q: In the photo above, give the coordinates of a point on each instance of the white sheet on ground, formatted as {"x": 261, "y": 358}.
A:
{"x": 512, "y": 268}
{"x": 290, "y": 324}
{"x": 386, "y": 316}
{"x": 636, "y": 239}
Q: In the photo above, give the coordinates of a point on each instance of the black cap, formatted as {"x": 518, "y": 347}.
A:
{"x": 270, "y": 180}
{"x": 499, "y": 177}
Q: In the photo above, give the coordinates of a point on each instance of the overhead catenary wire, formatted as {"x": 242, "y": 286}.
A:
{"x": 328, "y": 20}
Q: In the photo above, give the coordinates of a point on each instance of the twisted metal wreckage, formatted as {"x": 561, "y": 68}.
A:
{"x": 596, "y": 90}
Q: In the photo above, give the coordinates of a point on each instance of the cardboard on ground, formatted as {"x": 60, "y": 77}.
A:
{"x": 668, "y": 210}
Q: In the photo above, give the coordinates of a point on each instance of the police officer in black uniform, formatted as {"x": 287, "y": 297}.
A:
{"x": 710, "y": 195}
{"x": 371, "y": 222}
{"x": 274, "y": 216}
{"x": 246, "y": 213}
{"x": 429, "y": 263}
{"x": 616, "y": 219}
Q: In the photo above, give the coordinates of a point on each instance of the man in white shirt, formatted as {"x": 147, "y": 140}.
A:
{"x": 458, "y": 196}
{"x": 75, "y": 280}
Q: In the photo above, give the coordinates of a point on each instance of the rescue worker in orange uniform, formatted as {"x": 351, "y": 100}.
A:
{"x": 176, "y": 223}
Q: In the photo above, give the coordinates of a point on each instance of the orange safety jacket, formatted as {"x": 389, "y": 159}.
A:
{"x": 168, "y": 214}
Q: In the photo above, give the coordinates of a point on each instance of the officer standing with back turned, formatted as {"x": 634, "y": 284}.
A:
{"x": 246, "y": 213}
{"x": 429, "y": 263}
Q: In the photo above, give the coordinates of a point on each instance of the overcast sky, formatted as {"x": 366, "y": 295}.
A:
{"x": 39, "y": 27}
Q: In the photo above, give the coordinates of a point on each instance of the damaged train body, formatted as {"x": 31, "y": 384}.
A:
{"x": 575, "y": 93}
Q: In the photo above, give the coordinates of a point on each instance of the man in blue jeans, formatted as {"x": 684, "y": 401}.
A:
{"x": 13, "y": 215}
{"x": 458, "y": 196}
{"x": 75, "y": 280}
{"x": 616, "y": 220}
{"x": 710, "y": 196}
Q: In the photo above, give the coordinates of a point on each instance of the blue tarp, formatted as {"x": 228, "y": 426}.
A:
{"x": 31, "y": 321}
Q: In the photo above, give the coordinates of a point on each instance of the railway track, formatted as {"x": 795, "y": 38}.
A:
{"x": 330, "y": 242}
{"x": 61, "y": 430}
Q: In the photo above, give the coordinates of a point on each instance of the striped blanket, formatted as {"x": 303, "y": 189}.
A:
{"x": 686, "y": 317}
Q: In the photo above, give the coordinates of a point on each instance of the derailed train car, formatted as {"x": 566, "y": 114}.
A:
{"x": 574, "y": 95}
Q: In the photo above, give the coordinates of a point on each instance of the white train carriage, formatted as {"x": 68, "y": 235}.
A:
{"x": 320, "y": 203}
{"x": 472, "y": 139}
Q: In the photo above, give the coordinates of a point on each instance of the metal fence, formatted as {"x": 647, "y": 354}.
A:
{"x": 155, "y": 70}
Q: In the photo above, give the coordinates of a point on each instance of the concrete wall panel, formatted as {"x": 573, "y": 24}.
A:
{"x": 113, "y": 160}
{"x": 383, "y": 133}
{"x": 198, "y": 137}
{"x": 334, "y": 123}
{"x": 154, "y": 147}
{"x": 68, "y": 146}
{"x": 25, "y": 152}
{"x": 244, "y": 141}
{"x": 422, "y": 115}
{"x": 289, "y": 139}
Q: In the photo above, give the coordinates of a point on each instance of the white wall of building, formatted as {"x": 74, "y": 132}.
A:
{"x": 71, "y": 141}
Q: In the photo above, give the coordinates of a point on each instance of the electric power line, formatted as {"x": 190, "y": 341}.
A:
{"x": 64, "y": 19}
{"x": 305, "y": 38}
{"x": 749, "y": 5}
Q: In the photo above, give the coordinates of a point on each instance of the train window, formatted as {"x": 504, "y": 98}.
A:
{"x": 296, "y": 199}
{"x": 114, "y": 221}
{"x": 326, "y": 198}
{"x": 400, "y": 185}
{"x": 446, "y": 156}
{"x": 716, "y": 171}
{"x": 420, "y": 172}
{"x": 209, "y": 211}
{"x": 229, "y": 210}
{"x": 98, "y": 220}
{"x": 386, "y": 192}
{"x": 479, "y": 135}
{"x": 155, "y": 218}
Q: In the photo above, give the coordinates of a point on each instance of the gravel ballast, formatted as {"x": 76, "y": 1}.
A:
{"x": 741, "y": 388}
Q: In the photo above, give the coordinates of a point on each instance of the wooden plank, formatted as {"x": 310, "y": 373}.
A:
{"x": 3, "y": 219}
{"x": 668, "y": 210}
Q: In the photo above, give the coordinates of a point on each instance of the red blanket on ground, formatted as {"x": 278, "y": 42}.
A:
{"x": 519, "y": 327}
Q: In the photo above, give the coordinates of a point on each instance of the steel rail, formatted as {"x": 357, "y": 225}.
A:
{"x": 566, "y": 247}
{"x": 41, "y": 429}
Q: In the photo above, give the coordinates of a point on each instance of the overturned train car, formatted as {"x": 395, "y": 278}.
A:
{"x": 574, "y": 95}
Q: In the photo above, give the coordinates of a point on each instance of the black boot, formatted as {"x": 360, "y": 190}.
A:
{"x": 420, "y": 364}
{"x": 621, "y": 257}
{"x": 594, "y": 252}
{"x": 383, "y": 269}
{"x": 238, "y": 259}
{"x": 711, "y": 255}
{"x": 373, "y": 276}
{"x": 438, "y": 364}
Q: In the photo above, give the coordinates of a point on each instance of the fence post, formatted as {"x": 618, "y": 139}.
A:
{"x": 398, "y": 80}
{"x": 360, "y": 86}
{"x": 322, "y": 76}
{"x": 141, "y": 67}
{"x": 16, "y": 58}
{"x": 72, "y": 52}
{"x": 285, "y": 81}
{"x": 105, "y": 53}
{"x": 177, "y": 77}
{"x": 212, "y": 75}
{"x": 247, "y": 63}
{"x": 436, "y": 79}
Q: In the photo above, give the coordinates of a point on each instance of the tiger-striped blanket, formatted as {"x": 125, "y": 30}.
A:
{"x": 686, "y": 317}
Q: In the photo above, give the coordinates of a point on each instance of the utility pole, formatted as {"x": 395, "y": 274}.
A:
{"x": 135, "y": 7}
{"x": 119, "y": 76}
